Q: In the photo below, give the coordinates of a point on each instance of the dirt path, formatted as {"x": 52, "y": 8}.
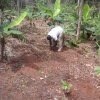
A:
{"x": 36, "y": 72}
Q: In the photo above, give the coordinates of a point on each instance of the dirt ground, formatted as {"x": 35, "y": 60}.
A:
{"x": 33, "y": 72}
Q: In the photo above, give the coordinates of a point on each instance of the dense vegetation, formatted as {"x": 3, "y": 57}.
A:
{"x": 72, "y": 73}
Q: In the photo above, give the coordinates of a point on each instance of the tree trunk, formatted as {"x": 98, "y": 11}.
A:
{"x": 49, "y": 3}
{"x": 2, "y": 15}
{"x": 18, "y": 7}
{"x": 80, "y": 17}
{"x": 2, "y": 48}
{"x": 2, "y": 39}
{"x": 78, "y": 4}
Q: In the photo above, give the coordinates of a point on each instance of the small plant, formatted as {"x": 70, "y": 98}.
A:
{"x": 66, "y": 87}
{"x": 97, "y": 70}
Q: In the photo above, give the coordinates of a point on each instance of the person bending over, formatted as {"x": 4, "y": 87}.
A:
{"x": 56, "y": 35}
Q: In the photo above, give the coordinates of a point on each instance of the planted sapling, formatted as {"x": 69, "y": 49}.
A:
{"x": 66, "y": 87}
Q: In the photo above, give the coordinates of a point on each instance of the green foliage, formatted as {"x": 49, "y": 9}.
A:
{"x": 8, "y": 12}
{"x": 6, "y": 28}
{"x": 97, "y": 70}
{"x": 90, "y": 23}
{"x": 57, "y": 8}
{"x": 32, "y": 13}
{"x": 54, "y": 11}
{"x": 86, "y": 18}
{"x": 13, "y": 32}
{"x": 48, "y": 11}
{"x": 96, "y": 24}
{"x": 86, "y": 13}
{"x": 71, "y": 43}
{"x": 16, "y": 33}
{"x": 17, "y": 21}
{"x": 4, "y": 3}
{"x": 69, "y": 17}
{"x": 66, "y": 86}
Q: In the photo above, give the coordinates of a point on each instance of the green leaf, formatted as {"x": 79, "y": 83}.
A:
{"x": 17, "y": 21}
{"x": 86, "y": 12}
{"x": 71, "y": 43}
{"x": 57, "y": 8}
{"x": 47, "y": 11}
{"x": 13, "y": 32}
{"x": 89, "y": 28}
{"x": 66, "y": 86}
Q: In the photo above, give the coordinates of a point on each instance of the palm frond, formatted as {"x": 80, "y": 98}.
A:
{"x": 17, "y": 21}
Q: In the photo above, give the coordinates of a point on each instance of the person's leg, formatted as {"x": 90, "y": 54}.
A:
{"x": 50, "y": 41}
{"x": 61, "y": 43}
{"x": 54, "y": 43}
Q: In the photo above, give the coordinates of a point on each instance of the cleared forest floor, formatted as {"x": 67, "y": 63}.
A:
{"x": 33, "y": 72}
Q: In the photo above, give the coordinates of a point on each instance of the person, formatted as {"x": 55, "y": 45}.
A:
{"x": 56, "y": 35}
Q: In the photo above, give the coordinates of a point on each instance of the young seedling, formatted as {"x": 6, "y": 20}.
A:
{"x": 66, "y": 87}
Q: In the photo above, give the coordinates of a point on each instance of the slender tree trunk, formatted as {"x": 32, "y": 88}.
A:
{"x": 1, "y": 19}
{"x": 18, "y": 7}
{"x": 80, "y": 17}
{"x": 78, "y": 6}
{"x": 21, "y": 4}
{"x": 2, "y": 39}
{"x": 2, "y": 48}
{"x": 2, "y": 15}
{"x": 49, "y": 3}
